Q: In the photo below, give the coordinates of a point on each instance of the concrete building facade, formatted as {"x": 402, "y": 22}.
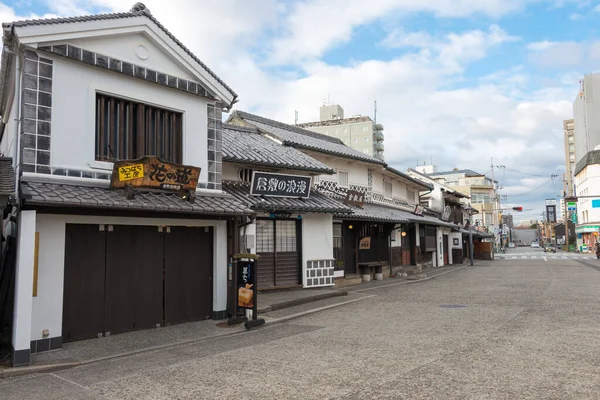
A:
{"x": 359, "y": 132}
{"x": 570, "y": 155}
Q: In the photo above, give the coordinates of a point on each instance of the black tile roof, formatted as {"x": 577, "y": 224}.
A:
{"x": 377, "y": 213}
{"x": 317, "y": 202}
{"x": 591, "y": 158}
{"x": 248, "y": 146}
{"x": 7, "y": 177}
{"x": 138, "y": 10}
{"x": 302, "y": 138}
{"x": 63, "y": 195}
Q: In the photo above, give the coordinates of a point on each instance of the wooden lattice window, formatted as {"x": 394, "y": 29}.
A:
{"x": 128, "y": 130}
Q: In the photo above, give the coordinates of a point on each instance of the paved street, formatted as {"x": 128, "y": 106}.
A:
{"x": 516, "y": 329}
{"x": 529, "y": 253}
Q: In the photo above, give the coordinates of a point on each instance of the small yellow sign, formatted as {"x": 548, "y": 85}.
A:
{"x": 365, "y": 243}
{"x": 129, "y": 172}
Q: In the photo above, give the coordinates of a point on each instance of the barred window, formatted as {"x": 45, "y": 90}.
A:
{"x": 128, "y": 130}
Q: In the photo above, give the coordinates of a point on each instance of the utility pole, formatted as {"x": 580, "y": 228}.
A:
{"x": 565, "y": 213}
{"x": 494, "y": 218}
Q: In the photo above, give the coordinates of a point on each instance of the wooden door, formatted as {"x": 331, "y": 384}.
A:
{"x": 265, "y": 248}
{"x": 287, "y": 268}
{"x": 446, "y": 249}
{"x": 134, "y": 264}
{"x": 83, "y": 296}
{"x": 350, "y": 243}
{"x": 188, "y": 274}
{"x": 279, "y": 248}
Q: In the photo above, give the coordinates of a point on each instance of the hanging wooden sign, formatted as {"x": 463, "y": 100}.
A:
{"x": 354, "y": 198}
{"x": 151, "y": 172}
{"x": 365, "y": 243}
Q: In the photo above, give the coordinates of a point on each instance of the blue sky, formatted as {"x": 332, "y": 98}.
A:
{"x": 456, "y": 81}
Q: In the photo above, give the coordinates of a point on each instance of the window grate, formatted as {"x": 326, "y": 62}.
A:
{"x": 128, "y": 130}
{"x": 342, "y": 179}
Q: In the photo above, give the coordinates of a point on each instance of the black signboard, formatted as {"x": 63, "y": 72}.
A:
{"x": 280, "y": 185}
{"x": 246, "y": 283}
{"x": 354, "y": 198}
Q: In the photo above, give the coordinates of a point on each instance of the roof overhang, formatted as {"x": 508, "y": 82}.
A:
{"x": 45, "y": 34}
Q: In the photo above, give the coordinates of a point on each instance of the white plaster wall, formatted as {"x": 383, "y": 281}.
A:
{"x": 458, "y": 236}
{"x": 588, "y": 183}
{"x": 357, "y": 172}
{"x": 317, "y": 239}
{"x": 126, "y": 47}
{"x": 73, "y": 113}
{"x": 396, "y": 234}
{"x": 47, "y": 307}
{"x": 24, "y": 281}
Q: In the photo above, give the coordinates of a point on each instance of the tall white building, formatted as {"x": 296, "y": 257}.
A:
{"x": 359, "y": 132}
{"x": 586, "y": 116}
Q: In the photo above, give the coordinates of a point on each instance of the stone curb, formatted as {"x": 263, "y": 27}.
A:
{"x": 20, "y": 371}
{"x": 300, "y": 301}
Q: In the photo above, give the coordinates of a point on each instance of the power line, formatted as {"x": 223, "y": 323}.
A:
{"x": 526, "y": 193}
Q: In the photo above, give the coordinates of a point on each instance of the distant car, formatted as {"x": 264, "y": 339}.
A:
{"x": 511, "y": 245}
{"x": 535, "y": 245}
{"x": 550, "y": 248}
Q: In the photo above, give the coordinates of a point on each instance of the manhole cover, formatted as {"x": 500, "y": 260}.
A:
{"x": 452, "y": 306}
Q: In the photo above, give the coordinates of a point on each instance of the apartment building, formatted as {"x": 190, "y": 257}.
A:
{"x": 359, "y": 132}
{"x": 570, "y": 156}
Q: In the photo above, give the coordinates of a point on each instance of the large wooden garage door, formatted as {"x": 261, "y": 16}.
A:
{"x": 83, "y": 299}
{"x": 134, "y": 278}
{"x": 121, "y": 278}
{"x": 188, "y": 274}
{"x": 277, "y": 245}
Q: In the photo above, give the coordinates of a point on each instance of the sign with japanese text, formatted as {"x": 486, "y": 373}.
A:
{"x": 151, "y": 172}
{"x": 418, "y": 209}
{"x": 246, "y": 283}
{"x": 447, "y": 213}
{"x": 551, "y": 213}
{"x": 365, "y": 243}
{"x": 354, "y": 198}
{"x": 280, "y": 185}
{"x": 550, "y": 202}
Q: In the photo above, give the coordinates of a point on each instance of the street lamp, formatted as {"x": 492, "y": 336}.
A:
{"x": 470, "y": 211}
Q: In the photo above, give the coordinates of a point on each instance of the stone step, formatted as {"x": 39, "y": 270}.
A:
{"x": 348, "y": 280}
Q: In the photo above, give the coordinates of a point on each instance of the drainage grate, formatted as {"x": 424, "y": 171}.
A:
{"x": 452, "y": 306}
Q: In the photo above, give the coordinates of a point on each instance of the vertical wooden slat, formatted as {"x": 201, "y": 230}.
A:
{"x": 122, "y": 151}
{"x": 35, "y": 263}
{"x": 178, "y": 132}
{"x": 141, "y": 127}
{"x": 147, "y": 131}
{"x": 102, "y": 129}
{"x": 157, "y": 147}
{"x": 129, "y": 131}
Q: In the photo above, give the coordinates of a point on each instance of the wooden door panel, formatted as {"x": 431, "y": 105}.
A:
{"x": 121, "y": 253}
{"x": 287, "y": 272}
{"x": 188, "y": 274}
{"x": 83, "y": 297}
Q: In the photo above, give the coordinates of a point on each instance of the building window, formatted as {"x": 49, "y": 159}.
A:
{"x": 246, "y": 174}
{"x": 387, "y": 189}
{"x": 480, "y": 198}
{"x": 342, "y": 179}
{"x": 410, "y": 197}
{"x": 365, "y": 129}
{"x": 367, "y": 139}
{"x": 571, "y": 147}
{"x": 355, "y": 141}
{"x": 127, "y": 130}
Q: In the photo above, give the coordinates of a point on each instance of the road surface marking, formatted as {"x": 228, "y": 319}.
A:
{"x": 71, "y": 382}
{"x": 545, "y": 259}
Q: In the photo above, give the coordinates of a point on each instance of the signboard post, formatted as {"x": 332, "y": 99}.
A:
{"x": 245, "y": 289}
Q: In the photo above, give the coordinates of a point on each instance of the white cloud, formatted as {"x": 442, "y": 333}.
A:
{"x": 565, "y": 55}
{"x": 315, "y": 26}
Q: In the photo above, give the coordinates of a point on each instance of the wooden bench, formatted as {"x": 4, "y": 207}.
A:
{"x": 366, "y": 268}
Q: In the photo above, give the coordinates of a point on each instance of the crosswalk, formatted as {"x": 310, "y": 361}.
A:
{"x": 547, "y": 256}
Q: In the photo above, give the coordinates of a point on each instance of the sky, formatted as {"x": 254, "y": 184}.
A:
{"x": 462, "y": 83}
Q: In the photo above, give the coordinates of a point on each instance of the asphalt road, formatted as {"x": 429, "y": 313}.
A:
{"x": 511, "y": 329}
